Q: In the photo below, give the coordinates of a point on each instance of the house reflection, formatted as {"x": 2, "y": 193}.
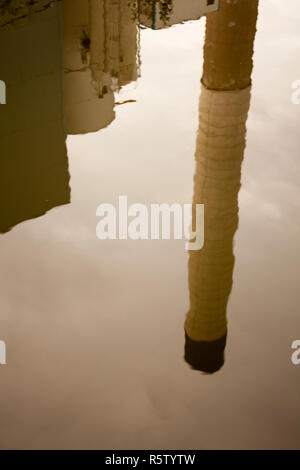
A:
{"x": 221, "y": 139}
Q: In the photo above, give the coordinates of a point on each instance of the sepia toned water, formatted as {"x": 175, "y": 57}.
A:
{"x": 96, "y": 333}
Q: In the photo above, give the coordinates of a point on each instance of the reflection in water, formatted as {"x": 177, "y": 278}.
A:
{"x": 223, "y": 108}
{"x": 94, "y": 330}
{"x": 159, "y": 14}
{"x": 100, "y": 50}
{"x": 151, "y": 10}
{"x": 33, "y": 165}
{"x": 92, "y": 51}
{"x": 68, "y": 90}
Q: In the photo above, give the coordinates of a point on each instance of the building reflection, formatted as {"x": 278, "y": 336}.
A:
{"x": 158, "y": 15}
{"x": 33, "y": 164}
{"x": 221, "y": 139}
{"x": 100, "y": 50}
{"x": 61, "y": 66}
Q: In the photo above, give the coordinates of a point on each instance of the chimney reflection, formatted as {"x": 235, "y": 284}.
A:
{"x": 223, "y": 110}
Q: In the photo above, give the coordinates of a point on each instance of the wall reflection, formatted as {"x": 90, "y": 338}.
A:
{"x": 61, "y": 66}
{"x": 33, "y": 164}
{"x": 100, "y": 50}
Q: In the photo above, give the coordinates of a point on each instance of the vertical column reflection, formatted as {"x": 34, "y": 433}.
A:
{"x": 223, "y": 110}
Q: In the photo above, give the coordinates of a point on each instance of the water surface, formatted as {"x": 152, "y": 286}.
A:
{"x": 95, "y": 329}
